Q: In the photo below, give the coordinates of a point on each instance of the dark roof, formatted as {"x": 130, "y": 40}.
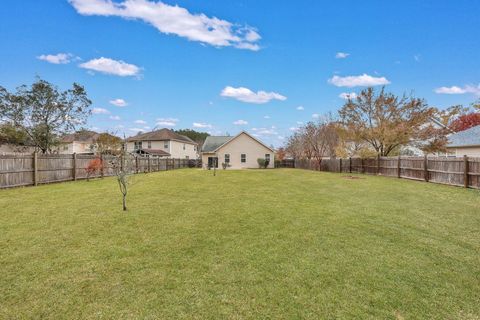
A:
{"x": 213, "y": 142}
{"x": 161, "y": 135}
{"x": 467, "y": 138}
{"x": 80, "y": 136}
{"x": 156, "y": 152}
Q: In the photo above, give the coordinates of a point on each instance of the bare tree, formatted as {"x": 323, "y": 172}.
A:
{"x": 321, "y": 139}
{"x": 124, "y": 167}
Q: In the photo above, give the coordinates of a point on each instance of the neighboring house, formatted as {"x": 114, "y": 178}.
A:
{"x": 163, "y": 143}
{"x": 81, "y": 142}
{"x": 465, "y": 143}
{"x": 239, "y": 152}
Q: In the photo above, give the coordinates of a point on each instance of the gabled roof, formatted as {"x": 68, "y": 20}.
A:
{"x": 213, "y": 142}
{"x": 161, "y": 135}
{"x": 80, "y": 136}
{"x": 216, "y": 142}
{"x": 467, "y": 138}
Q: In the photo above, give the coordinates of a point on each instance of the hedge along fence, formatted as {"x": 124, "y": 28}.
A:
{"x": 463, "y": 172}
{"x": 34, "y": 169}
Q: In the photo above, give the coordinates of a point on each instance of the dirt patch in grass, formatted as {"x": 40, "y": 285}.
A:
{"x": 352, "y": 177}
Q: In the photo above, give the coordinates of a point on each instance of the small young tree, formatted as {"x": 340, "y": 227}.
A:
{"x": 123, "y": 167}
{"x": 94, "y": 167}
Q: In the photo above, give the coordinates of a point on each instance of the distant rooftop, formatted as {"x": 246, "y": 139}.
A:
{"x": 467, "y": 138}
{"x": 161, "y": 135}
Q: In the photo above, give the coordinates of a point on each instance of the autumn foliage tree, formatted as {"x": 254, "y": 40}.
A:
{"x": 385, "y": 121}
{"x": 465, "y": 122}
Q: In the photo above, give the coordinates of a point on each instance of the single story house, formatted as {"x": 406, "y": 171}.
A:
{"x": 81, "y": 142}
{"x": 465, "y": 142}
{"x": 164, "y": 143}
{"x": 239, "y": 152}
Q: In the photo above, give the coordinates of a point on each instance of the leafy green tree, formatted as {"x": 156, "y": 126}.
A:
{"x": 12, "y": 135}
{"x": 198, "y": 137}
{"x": 44, "y": 112}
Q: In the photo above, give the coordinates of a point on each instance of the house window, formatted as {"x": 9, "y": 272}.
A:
{"x": 227, "y": 158}
{"x": 138, "y": 145}
{"x": 65, "y": 147}
{"x": 184, "y": 146}
{"x": 187, "y": 157}
{"x": 194, "y": 148}
{"x": 267, "y": 157}
{"x": 149, "y": 144}
{"x": 165, "y": 145}
{"x": 243, "y": 158}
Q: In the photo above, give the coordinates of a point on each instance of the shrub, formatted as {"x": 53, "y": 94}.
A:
{"x": 261, "y": 162}
{"x": 93, "y": 167}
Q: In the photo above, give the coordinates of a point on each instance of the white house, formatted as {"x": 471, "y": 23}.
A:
{"x": 239, "y": 152}
{"x": 164, "y": 143}
{"x": 81, "y": 142}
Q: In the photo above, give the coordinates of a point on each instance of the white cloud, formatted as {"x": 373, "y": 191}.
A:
{"x": 458, "y": 90}
{"x": 112, "y": 67}
{"x": 137, "y": 129}
{"x": 363, "y": 80}
{"x": 299, "y": 123}
{"x": 265, "y": 131}
{"x": 247, "y": 95}
{"x": 201, "y": 125}
{"x": 175, "y": 20}
{"x": 118, "y": 102}
{"x": 59, "y": 58}
{"x": 300, "y": 108}
{"x": 100, "y": 111}
{"x": 115, "y": 118}
{"x": 266, "y": 117}
{"x": 280, "y": 137}
{"x": 315, "y": 116}
{"x": 341, "y": 55}
{"x": 140, "y": 122}
{"x": 240, "y": 122}
{"x": 346, "y": 95}
{"x": 167, "y": 122}
{"x": 293, "y": 128}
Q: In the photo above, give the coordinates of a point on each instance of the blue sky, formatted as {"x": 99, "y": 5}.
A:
{"x": 226, "y": 66}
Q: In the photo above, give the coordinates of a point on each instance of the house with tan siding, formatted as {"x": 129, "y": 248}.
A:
{"x": 465, "y": 143}
{"x": 239, "y": 152}
{"x": 163, "y": 143}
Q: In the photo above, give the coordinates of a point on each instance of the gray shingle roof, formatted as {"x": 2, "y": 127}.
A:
{"x": 213, "y": 142}
{"x": 161, "y": 135}
{"x": 469, "y": 137}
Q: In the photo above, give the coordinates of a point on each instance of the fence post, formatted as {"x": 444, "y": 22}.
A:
{"x": 103, "y": 165}
{"x": 350, "y": 164}
{"x": 378, "y": 164}
{"x": 74, "y": 170}
{"x": 465, "y": 173}
{"x": 35, "y": 168}
{"x": 136, "y": 164}
{"x": 425, "y": 168}
{"x": 398, "y": 166}
{"x": 340, "y": 165}
{"x": 149, "y": 166}
{"x": 363, "y": 167}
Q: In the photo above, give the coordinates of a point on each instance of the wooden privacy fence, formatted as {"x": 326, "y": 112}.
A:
{"x": 463, "y": 172}
{"x": 34, "y": 169}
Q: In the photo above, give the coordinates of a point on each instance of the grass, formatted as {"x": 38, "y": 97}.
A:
{"x": 277, "y": 244}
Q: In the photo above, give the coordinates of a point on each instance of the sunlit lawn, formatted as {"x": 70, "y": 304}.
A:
{"x": 276, "y": 244}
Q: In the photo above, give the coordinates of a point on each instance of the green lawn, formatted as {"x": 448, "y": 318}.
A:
{"x": 277, "y": 244}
